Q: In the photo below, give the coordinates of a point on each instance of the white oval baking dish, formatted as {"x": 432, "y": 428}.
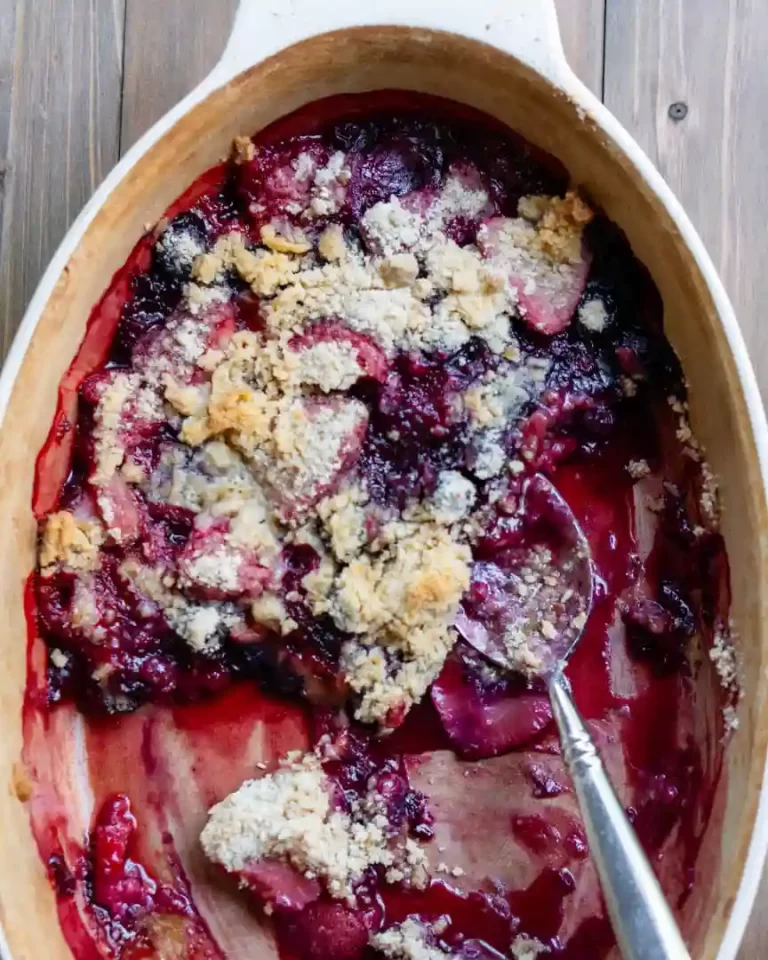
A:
{"x": 505, "y": 59}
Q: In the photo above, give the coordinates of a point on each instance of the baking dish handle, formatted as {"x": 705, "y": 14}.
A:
{"x": 527, "y": 29}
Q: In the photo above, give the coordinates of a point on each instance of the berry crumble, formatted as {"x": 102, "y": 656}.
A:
{"x": 355, "y": 390}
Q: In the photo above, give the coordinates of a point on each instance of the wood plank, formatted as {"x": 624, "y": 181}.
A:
{"x": 60, "y": 67}
{"x": 582, "y": 25}
{"x": 662, "y": 52}
{"x": 169, "y": 47}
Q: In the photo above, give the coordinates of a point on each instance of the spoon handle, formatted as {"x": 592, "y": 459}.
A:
{"x": 642, "y": 921}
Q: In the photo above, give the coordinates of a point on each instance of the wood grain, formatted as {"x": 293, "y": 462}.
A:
{"x": 660, "y": 52}
{"x": 170, "y": 45}
{"x": 582, "y": 29}
{"x": 60, "y": 70}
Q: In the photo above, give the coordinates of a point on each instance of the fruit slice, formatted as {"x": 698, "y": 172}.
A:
{"x": 277, "y": 883}
{"x": 325, "y": 931}
{"x": 334, "y": 357}
{"x": 483, "y": 714}
{"x": 307, "y": 180}
{"x": 121, "y": 510}
{"x": 214, "y": 566}
{"x": 175, "y": 348}
{"x": 127, "y": 419}
{"x": 549, "y": 281}
{"x": 120, "y": 885}
{"x": 394, "y": 168}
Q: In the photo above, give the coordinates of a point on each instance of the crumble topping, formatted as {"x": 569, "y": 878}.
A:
{"x": 558, "y": 225}
{"x": 343, "y": 519}
{"x": 264, "y": 429}
{"x": 726, "y": 662}
{"x": 331, "y": 245}
{"x": 593, "y": 315}
{"x": 243, "y": 150}
{"x": 268, "y": 429}
{"x": 454, "y": 497}
{"x": 409, "y": 940}
{"x": 527, "y": 948}
{"x": 70, "y": 541}
{"x": 637, "y": 469}
{"x": 291, "y": 815}
{"x": 329, "y": 186}
{"x": 399, "y": 604}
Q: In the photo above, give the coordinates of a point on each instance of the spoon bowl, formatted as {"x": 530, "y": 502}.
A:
{"x": 527, "y": 607}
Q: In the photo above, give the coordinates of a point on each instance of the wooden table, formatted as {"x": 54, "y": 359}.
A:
{"x": 80, "y": 80}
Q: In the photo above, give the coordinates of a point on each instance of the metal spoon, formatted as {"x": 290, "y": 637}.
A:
{"x": 530, "y": 618}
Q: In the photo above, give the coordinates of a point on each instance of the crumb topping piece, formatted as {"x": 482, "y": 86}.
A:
{"x": 292, "y": 815}
{"x": 527, "y": 948}
{"x": 243, "y": 150}
{"x": 400, "y": 604}
{"x": 409, "y": 940}
{"x": 71, "y": 542}
{"x": 593, "y": 315}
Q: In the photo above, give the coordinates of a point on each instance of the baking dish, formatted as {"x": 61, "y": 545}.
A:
{"x": 281, "y": 56}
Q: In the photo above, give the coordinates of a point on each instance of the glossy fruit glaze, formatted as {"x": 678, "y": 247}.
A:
{"x": 475, "y": 769}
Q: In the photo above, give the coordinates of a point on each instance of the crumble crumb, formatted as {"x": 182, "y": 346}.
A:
{"x": 59, "y": 658}
{"x": 454, "y": 497}
{"x": 390, "y": 228}
{"x": 637, "y": 469}
{"x": 527, "y": 948}
{"x": 723, "y": 656}
{"x": 730, "y": 719}
{"x": 399, "y": 270}
{"x": 330, "y": 365}
{"x": 331, "y": 245}
{"x": 409, "y": 940}
{"x": 243, "y": 150}
{"x": 295, "y": 244}
{"x": 200, "y": 299}
{"x": 343, "y": 519}
{"x": 71, "y": 542}
{"x": 329, "y": 187}
{"x": 593, "y": 315}
{"x": 269, "y": 611}
{"x": 22, "y": 785}
{"x": 490, "y": 456}
{"x": 560, "y": 223}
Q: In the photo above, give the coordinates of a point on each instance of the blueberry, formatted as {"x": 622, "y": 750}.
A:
{"x": 184, "y": 238}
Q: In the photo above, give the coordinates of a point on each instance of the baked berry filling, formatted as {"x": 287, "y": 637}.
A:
{"x": 383, "y": 373}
